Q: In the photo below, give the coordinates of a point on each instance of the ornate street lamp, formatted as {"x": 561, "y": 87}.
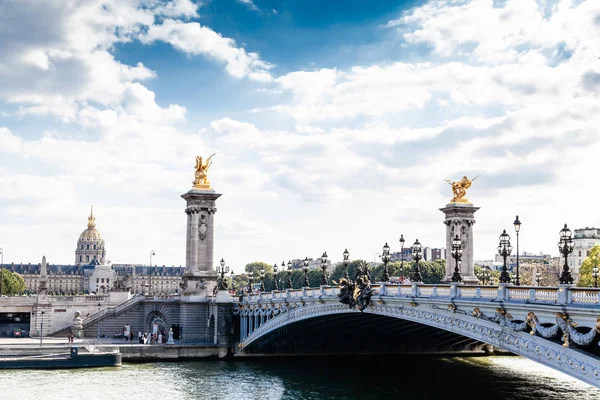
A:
{"x": 152, "y": 253}
{"x": 250, "y": 291}
{"x": 324, "y": 268}
{"x": 504, "y": 249}
{"x": 595, "y": 274}
{"x": 262, "y": 280}
{"x": 401, "y": 258}
{"x": 222, "y": 269}
{"x": 346, "y": 262}
{"x": 417, "y": 251}
{"x": 305, "y": 269}
{"x": 289, "y": 275}
{"x": 538, "y": 277}
{"x": 517, "y": 225}
{"x": 275, "y": 268}
{"x": 565, "y": 247}
{"x": 385, "y": 257}
{"x": 457, "y": 251}
{"x": 232, "y": 275}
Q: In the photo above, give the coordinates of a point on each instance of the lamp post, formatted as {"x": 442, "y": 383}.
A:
{"x": 385, "y": 257}
{"x": 152, "y": 253}
{"x": 538, "y": 277}
{"x": 262, "y": 280}
{"x": 595, "y": 274}
{"x": 289, "y": 275}
{"x": 401, "y": 258}
{"x": 42, "y": 329}
{"x": 457, "y": 251}
{"x": 232, "y": 275}
{"x": 222, "y": 269}
{"x": 250, "y": 285}
{"x": 97, "y": 324}
{"x": 517, "y": 225}
{"x": 305, "y": 269}
{"x": 504, "y": 249}
{"x": 346, "y": 262}
{"x": 324, "y": 269}
{"x": 275, "y": 268}
{"x": 417, "y": 251}
{"x": 565, "y": 247}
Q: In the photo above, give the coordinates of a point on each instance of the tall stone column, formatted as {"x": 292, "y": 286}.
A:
{"x": 200, "y": 276}
{"x": 459, "y": 221}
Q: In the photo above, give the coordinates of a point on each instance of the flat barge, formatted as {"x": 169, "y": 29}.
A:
{"x": 74, "y": 359}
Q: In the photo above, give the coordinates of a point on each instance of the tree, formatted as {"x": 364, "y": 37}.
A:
{"x": 12, "y": 283}
{"x": 585, "y": 270}
{"x": 253, "y": 268}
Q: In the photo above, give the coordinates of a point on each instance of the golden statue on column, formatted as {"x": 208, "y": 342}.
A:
{"x": 459, "y": 189}
{"x": 201, "y": 181}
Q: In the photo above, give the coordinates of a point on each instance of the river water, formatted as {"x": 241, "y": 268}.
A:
{"x": 399, "y": 377}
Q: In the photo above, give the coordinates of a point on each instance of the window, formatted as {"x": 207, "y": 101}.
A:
{"x": 87, "y": 258}
{"x": 107, "y": 280}
{"x": 97, "y": 280}
{"x": 88, "y": 246}
{"x": 94, "y": 247}
{"x": 579, "y": 253}
{"x": 102, "y": 280}
{"x": 81, "y": 258}
{"x": 588, "y": 253}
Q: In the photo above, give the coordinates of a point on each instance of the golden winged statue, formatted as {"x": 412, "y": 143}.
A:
{"x": 201, "y": 179}
{"x": 459, "y": 189}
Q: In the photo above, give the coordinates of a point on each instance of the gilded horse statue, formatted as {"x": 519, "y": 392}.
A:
{"x": 459, "y": 189}
{"x": 201, "y": 179}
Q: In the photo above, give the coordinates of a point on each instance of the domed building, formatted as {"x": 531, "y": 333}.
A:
{"x": 90, "y": 245}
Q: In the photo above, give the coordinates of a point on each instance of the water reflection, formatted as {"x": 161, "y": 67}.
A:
{"x": 294, "y": 378}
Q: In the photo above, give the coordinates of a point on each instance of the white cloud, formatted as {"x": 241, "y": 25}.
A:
{"x": 249, "y": 3}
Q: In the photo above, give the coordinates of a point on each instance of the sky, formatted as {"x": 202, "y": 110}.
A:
{"x": 334, "y": 123}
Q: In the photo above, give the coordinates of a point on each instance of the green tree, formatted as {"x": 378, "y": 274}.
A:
{"x": 12, "y": 283}
{"x": 253, "y": 268}
{"x": 585, "y": 270}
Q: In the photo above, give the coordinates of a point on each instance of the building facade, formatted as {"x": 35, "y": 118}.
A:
{"x": 92, "y": 274}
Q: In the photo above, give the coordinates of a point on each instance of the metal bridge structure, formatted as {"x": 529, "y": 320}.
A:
{"x": 555, "y": 326}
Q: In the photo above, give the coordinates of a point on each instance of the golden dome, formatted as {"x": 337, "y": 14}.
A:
{"x": 91, "y": 234}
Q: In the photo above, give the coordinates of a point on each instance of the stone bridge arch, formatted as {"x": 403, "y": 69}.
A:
{"x": 257, "y": 323}
{"x": 162, "y": 314}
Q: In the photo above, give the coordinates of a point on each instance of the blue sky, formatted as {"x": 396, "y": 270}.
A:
{"x": 334, "y": 124}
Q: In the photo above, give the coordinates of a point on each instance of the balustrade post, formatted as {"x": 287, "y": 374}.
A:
{"x": 434, "y": 293}
{"x": 382, "y": 289}
{"x": 503, "y": 291}
{"x": 416, "y": 292}
{"x": 477, "y": 292}
{"x": 532, "y": 295}
{"x": 454, "y": 290}
{"x": 565, "y": 296}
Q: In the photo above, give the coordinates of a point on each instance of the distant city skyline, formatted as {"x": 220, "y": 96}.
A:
{"x": 334, "y": 125}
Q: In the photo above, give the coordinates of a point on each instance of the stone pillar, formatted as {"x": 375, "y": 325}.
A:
{"x": 200, "y": 276}
{"x": 459, "y": 221}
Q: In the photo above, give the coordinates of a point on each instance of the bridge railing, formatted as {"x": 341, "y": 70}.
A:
{"x": 563, "y": 294}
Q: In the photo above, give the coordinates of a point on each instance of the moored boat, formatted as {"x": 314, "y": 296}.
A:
{"x": 73, "y": 359}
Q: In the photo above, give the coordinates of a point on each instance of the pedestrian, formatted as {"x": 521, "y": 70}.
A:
{"x": 131, "y": 336}
{"x": 160, "y": 338}
{"x": 140, "y": 337}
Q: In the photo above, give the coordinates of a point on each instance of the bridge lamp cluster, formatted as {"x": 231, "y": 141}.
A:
{"x": 275, "y": 269}
{"x": 565, "y": 247}
{"x": 401, "y": 240}
{"x": 417, "y": 253}
{"x": 457, "y": 251}
{"x": 595, "y": 275}
{"x": 305, "y": 269}
{"x": 289, "y": 274}
{"x": 504, "y": 249}
{"x": 346, "y": 262}
{"x": 222, "y": 269}
{"x": 487, "y": 276}
{"x": 385, "y": 257}
{"x": 262, "y": 280}
{"x": 324, "y": 269}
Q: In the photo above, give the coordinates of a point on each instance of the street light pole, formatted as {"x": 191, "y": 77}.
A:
{"x": 417, "y": 251}
{"x": 504, "y": 249}
{"x": 595, "y": 274}
{"x": 457, "y": 252}
{"x": 346, "y": 261}
{"x": 152, "y": 253}
{"x": 324, "y": 269}
{"x": 565, "y": 246}
{"x": 305, "y": 269}
{"x": 517, "y": 225}
{"x": 275, "y": 268}
{"x": 385, "y": 258}
{"x": 401, "y": 258}
{"x": 262, "y": 280}
{"x": 289, "y": 275}
{"x": 538, "y": 277}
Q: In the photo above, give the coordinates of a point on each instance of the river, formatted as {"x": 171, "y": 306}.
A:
{"x": 400, "y": 377}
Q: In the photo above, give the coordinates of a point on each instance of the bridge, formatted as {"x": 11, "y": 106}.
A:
{"x": 555, "y": 326}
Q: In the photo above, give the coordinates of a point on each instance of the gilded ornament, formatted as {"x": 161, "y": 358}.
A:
{"x": 201, "y": 178}
{"x": 459, "y": 189}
